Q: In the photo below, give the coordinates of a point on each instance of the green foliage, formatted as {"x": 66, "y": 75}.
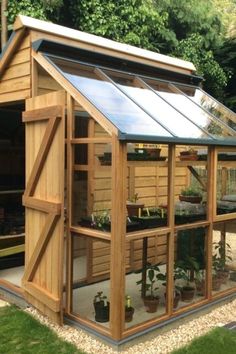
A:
{"x": 194, "y": 50}
{"x": 218, "y": 341}
{"x": 222, "y": 255}
{"x": 129, "y": 21}
{"x": 226, "y": 55}
{"x": 184, "y": 268}
{"x": 153, "y": 276}
{"x": 21, "y": 333}
{"x": 190, "y": 191}
{"x": 40, "y": 9}
{"x": 192, "y": 17}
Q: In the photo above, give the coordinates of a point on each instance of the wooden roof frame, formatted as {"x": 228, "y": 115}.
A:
{"x": 100, "y": 44}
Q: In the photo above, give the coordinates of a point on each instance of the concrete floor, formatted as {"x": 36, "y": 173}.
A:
{"x": 13, "y": 275}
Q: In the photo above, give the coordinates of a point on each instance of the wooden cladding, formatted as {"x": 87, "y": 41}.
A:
{"x": 15, "y": 69}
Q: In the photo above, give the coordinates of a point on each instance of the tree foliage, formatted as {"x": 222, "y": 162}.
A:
{"x": 40, "y": 9}
{"x": 193, "y": 49}
{"x": 226, "y": 55}
{"x": 192, "y": 17}
{"x": 129, "y": 21}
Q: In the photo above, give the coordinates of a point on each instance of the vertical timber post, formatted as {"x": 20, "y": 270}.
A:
{"x": 118, "y": 231}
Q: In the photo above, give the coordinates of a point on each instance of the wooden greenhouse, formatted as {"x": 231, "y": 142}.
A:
{"x": 126, "y": 170}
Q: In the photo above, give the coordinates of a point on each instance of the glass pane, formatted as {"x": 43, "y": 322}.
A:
{"x": 91, "y": 190}
{"x": 190, "y": 265}
{"x": 81, "y": 154}
{"x": 190, "y": 184}
{"x": 81, "y": 125}
{"x": 226, "y": 182}
{"x": 224, "y": 256}
{"x": 191, "y": 110}
{"x": 159, "y": 109}
{"x": 147, "y": 198}
{"x": 121, "y": 111}
{"x": 146, "y": 267}
{"x": 211, "y": 105}
{"x": 91, "y": 279}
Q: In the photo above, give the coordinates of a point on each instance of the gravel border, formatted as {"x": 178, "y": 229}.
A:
{"x": 162, "y": 344}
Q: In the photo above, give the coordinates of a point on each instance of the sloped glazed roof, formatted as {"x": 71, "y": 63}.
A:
{"x": 145, "y": 108}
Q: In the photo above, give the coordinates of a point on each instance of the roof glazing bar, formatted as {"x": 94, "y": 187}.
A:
{"x": 211, "y": 115}
{"x": 145, "y": 85}
{"x": 220, "y": 104}
{"x": 104, "y": 77}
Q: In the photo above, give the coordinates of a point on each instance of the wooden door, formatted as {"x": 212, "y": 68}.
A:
{"x": 44, "y": 202}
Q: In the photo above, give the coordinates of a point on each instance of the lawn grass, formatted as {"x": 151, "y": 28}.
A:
{"x": 21, "y": 333}
{"x": 218, "y": 341}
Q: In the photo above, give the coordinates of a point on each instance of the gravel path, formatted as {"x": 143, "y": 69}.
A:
{"x": 162, "y": 344}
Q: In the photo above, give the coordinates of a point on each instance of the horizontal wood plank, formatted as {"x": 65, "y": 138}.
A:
{"x": 22, "y": 56}
{"x": 42, "y": 114}
{"x": 42, "y": 205}
{"x": 16, "y": 84}
{"x": 45, "y": 296}
{"x": 16, "y": 71}
{"x": 15, "y": 96}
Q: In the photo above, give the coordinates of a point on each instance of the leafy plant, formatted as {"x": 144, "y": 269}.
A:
{"x": 153, "y": 276}
{"x": 134, "y": 199}
{"x": 184, "y": 269}
{"x": 100, "y": 298}
{"x": 99, "y": 220}
{"x": 190, "y": 191}
{"x": 222, "y": 255}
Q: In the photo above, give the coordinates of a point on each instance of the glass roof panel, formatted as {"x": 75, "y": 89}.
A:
{"x": 195, "y": 113}
{"x": 112, "y": 103}
{"x": 146, "y": 108}
{"x": 160, "y": 110}
{"x": 208, "y": 103}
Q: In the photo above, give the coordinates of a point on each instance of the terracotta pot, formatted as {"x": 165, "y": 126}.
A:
{"x": 129, "y": 311}
{"x": 155, "y": 153}
{"x": 188, "y": 152}
{"x": 216, "y": 283}
{"x": 190, "y": 199}
{"x": 223, "y": 275}
{"x": 133, "y": 208}
{"x": 187, "y": 293}
{"x": 200, "y": 287}
{"x": 177, "y": 297}
{"x": 151, "y": 303}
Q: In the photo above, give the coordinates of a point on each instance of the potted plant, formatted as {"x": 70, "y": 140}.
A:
{"x": 176, "y": 290}
{"x": 190, "y": 195}
{"x": 99, "y": 221}
{"x": 152, "y": 217}
{"x": 185, "y": 270}
{"x": 189, "y": 155}
{"x": 102, "y": 221}
{"x": 221, "y": 256}
{"x": 151, "y": 301}
{"x": 101, "y": 307}
{"x": 133, "y": 207}
{"x": 129, "y": 310}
